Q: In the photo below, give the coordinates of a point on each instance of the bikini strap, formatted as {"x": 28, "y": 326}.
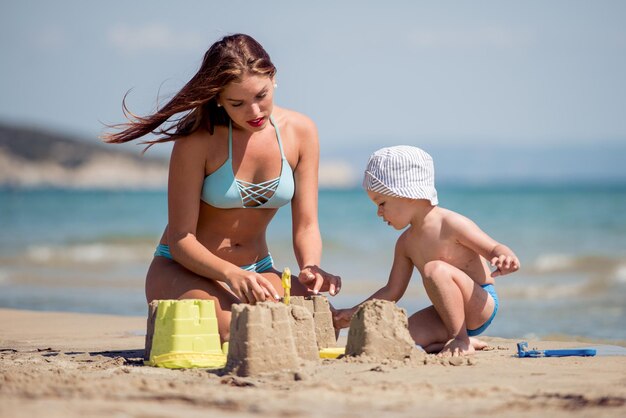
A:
{"x": 280, "y": 142}
{"x": 230, "y": 138}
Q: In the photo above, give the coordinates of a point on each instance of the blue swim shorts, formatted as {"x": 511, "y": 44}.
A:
{"x": 267, "y": 263}
{"x": 492, "y": 291}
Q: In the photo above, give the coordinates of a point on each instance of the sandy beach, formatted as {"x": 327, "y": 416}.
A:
{"x": 84, "y": 365}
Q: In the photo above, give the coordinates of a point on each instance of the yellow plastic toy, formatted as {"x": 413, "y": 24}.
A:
{"x": 332, "y": 352}
{"x": 286, "y": 281}
{"x": 186, "y": 335}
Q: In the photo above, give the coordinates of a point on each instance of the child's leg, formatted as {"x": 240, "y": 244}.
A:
{"x": 458, "y": 303}
{"x": 428, "y": 330}
{"x": 474, "y": 342}
{"x": 426, "y": 326}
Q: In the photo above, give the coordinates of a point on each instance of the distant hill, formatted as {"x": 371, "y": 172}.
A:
{"x": 34, "y": 158}
{"x": 31, "y": 157}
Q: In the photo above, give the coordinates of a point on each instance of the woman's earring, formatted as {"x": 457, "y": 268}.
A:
{"x": 275, "y": 85}
{"x": 219, "y": 105}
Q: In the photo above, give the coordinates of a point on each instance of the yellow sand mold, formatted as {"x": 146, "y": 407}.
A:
{"x": 332, "y": 352}
{"x": 186, "y": 335}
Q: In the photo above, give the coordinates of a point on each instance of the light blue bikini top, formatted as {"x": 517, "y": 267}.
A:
{"x": 222, "y": 190}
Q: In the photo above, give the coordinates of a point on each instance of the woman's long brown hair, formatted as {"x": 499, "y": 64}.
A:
{"x": 227, "y": 60}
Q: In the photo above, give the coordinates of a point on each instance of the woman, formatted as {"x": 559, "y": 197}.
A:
{"x": 236, "y": 159}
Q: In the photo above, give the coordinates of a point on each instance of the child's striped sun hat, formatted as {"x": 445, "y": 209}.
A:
{"x": 401, "y": 171}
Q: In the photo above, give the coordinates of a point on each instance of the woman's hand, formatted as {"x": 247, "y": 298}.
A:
{"x": 317, "y": 280}
{"x": 251, "y": 287}
{"x": 342, "y": 317}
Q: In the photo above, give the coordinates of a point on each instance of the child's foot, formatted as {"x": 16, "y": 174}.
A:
{"x": 478, "y": 344}
{"x": 457, "y": 347}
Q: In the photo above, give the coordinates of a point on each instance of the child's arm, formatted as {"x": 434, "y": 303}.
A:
{"x": 397, "y": 283}
{"x": 471, "y": 236}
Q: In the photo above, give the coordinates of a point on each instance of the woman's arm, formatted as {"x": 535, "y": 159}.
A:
{"x": 307, "y": 241}
{"x": 186, "y": 176}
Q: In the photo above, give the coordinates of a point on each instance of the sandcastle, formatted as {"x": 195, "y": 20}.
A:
{"x": 268, "y": 337}
{"x": 379, "y": 330}
{"x": 319, "y": 307}
{"x": 295, "y": 332}
{"x": 262, "y": 338}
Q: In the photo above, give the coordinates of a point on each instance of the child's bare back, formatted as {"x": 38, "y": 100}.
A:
{"x": 442, "y": 236}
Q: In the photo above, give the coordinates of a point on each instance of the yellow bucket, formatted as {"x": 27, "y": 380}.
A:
{"x": 186, "y": 335}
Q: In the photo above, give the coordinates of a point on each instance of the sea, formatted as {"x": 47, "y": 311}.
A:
{"x": 88, "y": 251}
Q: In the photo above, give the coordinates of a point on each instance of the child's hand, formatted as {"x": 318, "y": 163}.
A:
{"x": 504, "y": 264}
{"x": 342, "y": 317}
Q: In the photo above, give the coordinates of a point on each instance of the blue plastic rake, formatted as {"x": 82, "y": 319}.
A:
{"x": 522, "y": 351}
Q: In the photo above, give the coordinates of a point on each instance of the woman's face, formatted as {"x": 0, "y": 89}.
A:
{"x": 250, "y": 102}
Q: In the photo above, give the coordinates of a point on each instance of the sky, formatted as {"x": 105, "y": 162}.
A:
{"x": 490, "y": 88}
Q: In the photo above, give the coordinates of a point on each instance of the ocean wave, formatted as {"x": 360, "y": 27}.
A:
{"x": 554, "y": 263}
{"x": 598, "y": 266}
{"x": 89, "y": 253}
{"x": 543, "y": 292}
{"x": 561, "y": 286}
{"x": 620, "y": 273}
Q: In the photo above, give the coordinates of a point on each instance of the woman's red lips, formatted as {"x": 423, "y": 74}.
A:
{"x": 256, "y": 122}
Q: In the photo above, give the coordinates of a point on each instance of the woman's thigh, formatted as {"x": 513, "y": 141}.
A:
{"x": 166, "y": 279}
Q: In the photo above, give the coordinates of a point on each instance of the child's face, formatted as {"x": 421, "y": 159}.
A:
{"x": 396, "y": 211}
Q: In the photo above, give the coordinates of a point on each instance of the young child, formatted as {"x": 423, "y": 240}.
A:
{"x": 448, "y": 249}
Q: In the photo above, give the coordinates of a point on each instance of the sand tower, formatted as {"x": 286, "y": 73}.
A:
{"x": 319, "y": 307}
{"x": 269, "y": 337}
{"x": 379, "y": 330}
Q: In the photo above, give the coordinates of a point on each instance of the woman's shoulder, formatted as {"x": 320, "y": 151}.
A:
{"x": 201, "y": 147}
{"x": 197, "y": 140}
{"x": 289, "y": 119}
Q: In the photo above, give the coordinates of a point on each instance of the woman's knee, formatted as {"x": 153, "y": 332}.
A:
{"x": 168, "y": 280}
